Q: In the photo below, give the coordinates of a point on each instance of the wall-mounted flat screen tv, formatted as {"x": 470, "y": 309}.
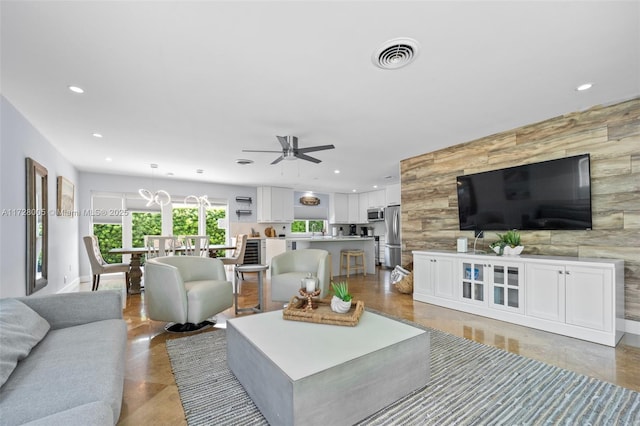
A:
{"x": 553, "y": 194}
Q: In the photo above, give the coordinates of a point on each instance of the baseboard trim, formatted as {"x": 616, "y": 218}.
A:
{"x": 72, "y": 287}
{"x": 632, "y": 327}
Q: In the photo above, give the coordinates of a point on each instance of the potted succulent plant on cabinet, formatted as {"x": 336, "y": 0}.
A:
{"x": 508, "y": 244}
{"x": 341, "y": 300}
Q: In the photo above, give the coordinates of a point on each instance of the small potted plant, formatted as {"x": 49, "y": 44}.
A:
{"x": 508, "y": 244}
{"x": 341, "y": 300}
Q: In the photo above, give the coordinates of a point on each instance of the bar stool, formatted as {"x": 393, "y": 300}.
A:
{"x": 346, "y": 255}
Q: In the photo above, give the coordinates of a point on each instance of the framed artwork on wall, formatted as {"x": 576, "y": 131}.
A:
{"x": 65, "y": 197}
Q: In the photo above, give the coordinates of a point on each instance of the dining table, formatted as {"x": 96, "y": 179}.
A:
{"x": 135, "y": 270}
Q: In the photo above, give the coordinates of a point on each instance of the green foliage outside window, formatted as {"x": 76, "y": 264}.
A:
{"x": 144, "y": 224}
{"x": 216, "y": 235}
{"x": 307, "y": 225}
{"x": 299, "y": 226}
{"x": 185, "y": 222}
{"x": 109, "y": 236}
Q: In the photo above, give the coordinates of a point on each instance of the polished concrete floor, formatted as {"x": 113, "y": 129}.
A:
{"x": 151, "y": 396}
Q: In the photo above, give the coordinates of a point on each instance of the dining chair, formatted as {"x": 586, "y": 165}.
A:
{"x": 196, "y": 245}
{"x": 160, "y": 246}
{"x": 99, "y": 266}
{"x": 237, "y": 257}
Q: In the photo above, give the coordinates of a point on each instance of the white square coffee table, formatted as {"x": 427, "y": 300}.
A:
{"x": 300, "y": 373}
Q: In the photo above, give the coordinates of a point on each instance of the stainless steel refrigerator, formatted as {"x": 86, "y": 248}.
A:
{"x": 393, "y": 237}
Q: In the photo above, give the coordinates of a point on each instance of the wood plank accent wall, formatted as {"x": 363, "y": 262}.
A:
{"x": 610, "y": 134}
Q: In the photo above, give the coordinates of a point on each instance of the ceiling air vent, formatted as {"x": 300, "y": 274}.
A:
{"x": 396, "y": 53}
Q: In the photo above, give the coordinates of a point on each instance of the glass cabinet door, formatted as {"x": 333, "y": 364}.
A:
{"x": 506, "y": 290}
{"x": 473, "y": 282}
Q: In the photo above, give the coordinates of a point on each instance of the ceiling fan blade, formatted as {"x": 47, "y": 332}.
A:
{"x": 284, "y": 142}
{"x": 316, "y": 148}
{"x": 256, "y": 150}
{"x": 308, "y": 158}
{"x": 277, "y": 160}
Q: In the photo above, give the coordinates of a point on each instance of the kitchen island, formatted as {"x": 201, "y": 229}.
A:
{"x": 333, "y": 245}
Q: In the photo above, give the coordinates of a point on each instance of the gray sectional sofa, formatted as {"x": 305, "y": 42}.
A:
{"x": 68, "y": 352}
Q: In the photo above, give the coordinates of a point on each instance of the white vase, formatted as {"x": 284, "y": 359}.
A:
{"x": 509, "y": 251}
{"x": 340, "y": 306}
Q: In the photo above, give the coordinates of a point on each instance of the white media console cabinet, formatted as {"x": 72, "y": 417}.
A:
{"x": 576, "y": 297}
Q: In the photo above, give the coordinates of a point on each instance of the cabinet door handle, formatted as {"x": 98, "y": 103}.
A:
{"x": 560, "y": 272}
{"x": 568, "y": 273}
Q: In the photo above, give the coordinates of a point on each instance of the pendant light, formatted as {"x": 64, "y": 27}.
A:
{"x": 159, "y": 197}
{"x": 202, "y": 200}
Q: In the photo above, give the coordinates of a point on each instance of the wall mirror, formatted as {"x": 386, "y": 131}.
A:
{"x": 37, "y": 226}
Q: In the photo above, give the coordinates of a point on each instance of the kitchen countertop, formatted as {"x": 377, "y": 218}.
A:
{"x": 330, "y": 239}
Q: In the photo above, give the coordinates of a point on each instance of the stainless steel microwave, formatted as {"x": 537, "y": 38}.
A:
{"x": 375, "y": 214}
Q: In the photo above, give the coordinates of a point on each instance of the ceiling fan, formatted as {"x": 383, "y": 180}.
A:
{"x": 290, "y": 150}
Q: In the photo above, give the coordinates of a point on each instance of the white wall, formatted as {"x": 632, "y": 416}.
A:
{"x": 18, "y": 140}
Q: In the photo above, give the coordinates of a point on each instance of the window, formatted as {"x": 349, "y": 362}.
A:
{"x": 185, "y": 220}
{"x": 109, "y": 237}
{"x": 307, "y": 226}
{"x": 144, "y": 223}
{"x": 188, "y": 221}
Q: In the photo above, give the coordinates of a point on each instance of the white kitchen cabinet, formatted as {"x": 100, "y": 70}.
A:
{"x": 274, "y": 204}
{"x": 363, "y": 205}
{"x": 435, "y": 275}
{"x": 576, "y": 297}
{"x": 338, "y": 208}
{"x": 377, "y": 198}
{"x": 393, "y": 194}
{"x": 354, "y": 206}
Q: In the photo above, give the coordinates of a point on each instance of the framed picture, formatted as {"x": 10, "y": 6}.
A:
{"x": 65, "y": 197}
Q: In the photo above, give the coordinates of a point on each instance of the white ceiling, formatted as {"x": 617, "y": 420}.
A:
{"x": 189, "y": 84}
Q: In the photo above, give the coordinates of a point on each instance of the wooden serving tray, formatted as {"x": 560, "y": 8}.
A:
{"x": 323, "y": 314}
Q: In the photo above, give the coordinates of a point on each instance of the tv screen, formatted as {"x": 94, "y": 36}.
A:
{"x": 553, "y": 195}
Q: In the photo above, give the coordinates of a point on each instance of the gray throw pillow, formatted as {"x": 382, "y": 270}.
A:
{"x": 21, "y": 328}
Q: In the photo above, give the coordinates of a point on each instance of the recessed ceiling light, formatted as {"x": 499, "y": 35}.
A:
{"x": 76, "y": 89}
{"x": 336, "y": 171}
{"x": 243, "y": 161}
{"x": 354, "y": 190}
{"x": 375, "y": 186}
{"x": 585, "y": 86}
{"x": 108, "y": 159}
{"x": 199, "y": 171}
{"x": 97, "y": 135}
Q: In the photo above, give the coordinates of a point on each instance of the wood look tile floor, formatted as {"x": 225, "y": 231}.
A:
{"x": 151, "y": 396}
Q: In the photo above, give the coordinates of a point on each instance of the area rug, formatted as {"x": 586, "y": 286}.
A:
{"x": 471, "y": 384}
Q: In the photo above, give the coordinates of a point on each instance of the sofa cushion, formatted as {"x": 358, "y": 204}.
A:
{"x": 69, "y": 368}
{"x": 21, "y": 328}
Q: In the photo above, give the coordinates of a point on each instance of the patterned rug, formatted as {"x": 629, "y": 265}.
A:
{"x": 471, "y": 384}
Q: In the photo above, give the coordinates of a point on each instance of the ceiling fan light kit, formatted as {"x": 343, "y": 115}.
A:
{"x": 291, "y": 151}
